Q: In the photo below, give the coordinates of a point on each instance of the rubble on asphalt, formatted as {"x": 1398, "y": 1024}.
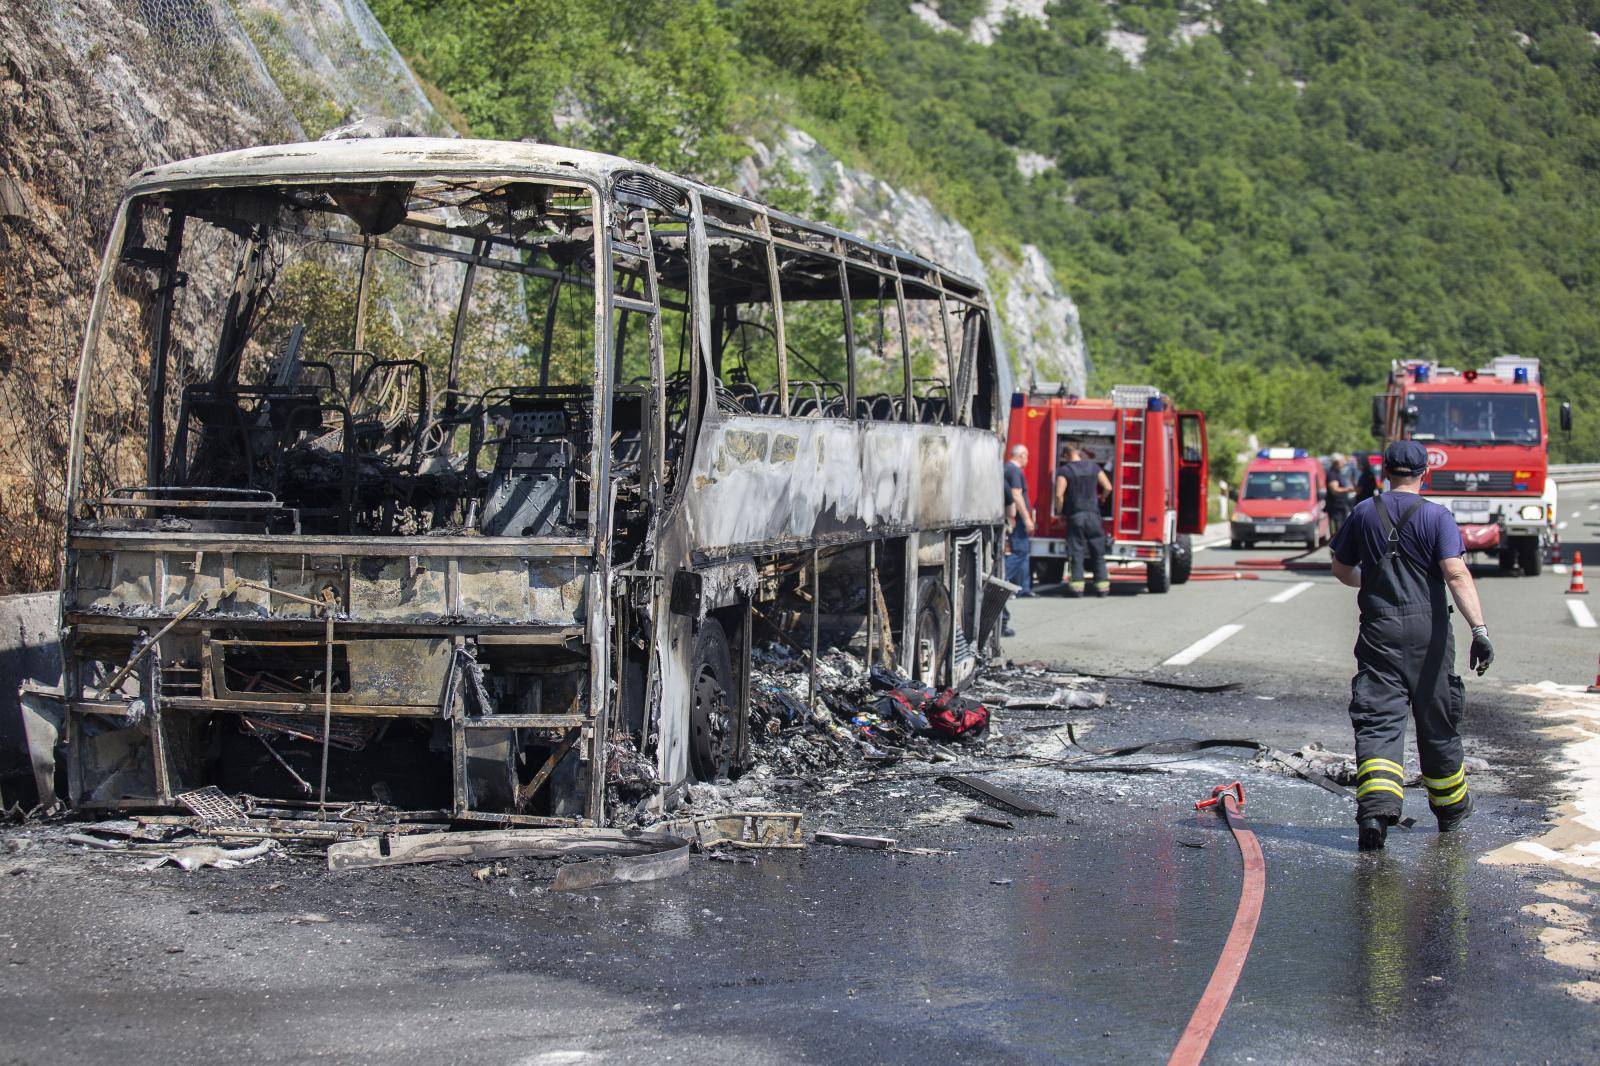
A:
{"x": 800, "y": 759}
{"x": 1340, "y": 767}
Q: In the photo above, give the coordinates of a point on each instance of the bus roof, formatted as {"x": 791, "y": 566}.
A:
{"x": 396, "y": 158}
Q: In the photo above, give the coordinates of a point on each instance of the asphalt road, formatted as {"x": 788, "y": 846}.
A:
{"x": 1085, "y": 937}
{"x": 1310, "y": 633}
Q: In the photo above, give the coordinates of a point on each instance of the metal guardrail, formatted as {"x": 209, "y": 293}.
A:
{"x": 1574, "y": 473}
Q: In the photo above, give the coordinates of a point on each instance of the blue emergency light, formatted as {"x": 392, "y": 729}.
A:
{"x": 1281, "y": 453}
{"x": 1017, "y": 400}
{"x": 1520, "y": 375}
{"x": 1421, "y": 375}
{"x": 1155, "y": 403}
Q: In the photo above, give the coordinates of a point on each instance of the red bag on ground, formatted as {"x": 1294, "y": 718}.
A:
{"x": 952, "y": 716}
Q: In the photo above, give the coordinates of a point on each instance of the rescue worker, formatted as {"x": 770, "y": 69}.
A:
{"x": 1019, "y": 536}
{"x": 1402, "y": 552}
{"x": 1079, "y": 488}
{"x": 1367, "y": 483}
{"x": 1341, "y": 494}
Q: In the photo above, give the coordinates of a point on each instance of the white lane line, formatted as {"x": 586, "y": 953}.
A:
{"x": 1562, "y": 525}
{"x": 1580, "y": 614}
{"x": 1291, "y": 592}
{"x": 1559, "y": 568}
{"x": 1577, "y": 514}
{"x": 1203, "y": 645}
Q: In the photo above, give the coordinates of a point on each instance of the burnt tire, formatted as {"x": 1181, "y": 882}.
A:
{"x": 712, "y": 700}
{"x": 1182, "y": 558}
{"x": 930, "y": 652}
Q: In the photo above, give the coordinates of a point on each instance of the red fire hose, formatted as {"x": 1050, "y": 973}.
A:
{"x": 1229, "y": 802}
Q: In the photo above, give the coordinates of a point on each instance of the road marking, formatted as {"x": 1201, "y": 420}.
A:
{"x": 1559, "y": 568}
{"x": 1203, "y": 645}
{"x": 1580, "y": 614}
{"x": 1563, "y": 525}
{"x": 1577, "y": 514}
{"x": 1291, "y": 592}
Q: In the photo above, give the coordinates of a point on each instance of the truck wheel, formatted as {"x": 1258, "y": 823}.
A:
{"x": 1529, "y": 555}
{"x": 1050, "y": 571}
{"x": 931, "y": 655}
{"x": 1182, "y": 558}
{"x": 711, "y": 704}
{"x": 1158, "y": 575}
{"x": 1235, "y": 544}
{"x": 1508, "y": 561}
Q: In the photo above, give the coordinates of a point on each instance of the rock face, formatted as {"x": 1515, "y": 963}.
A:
{"x": 1040, "y": 323}
{"x": 92, "y": 91}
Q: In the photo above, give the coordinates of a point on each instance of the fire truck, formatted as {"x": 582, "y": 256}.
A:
{"x": 1488, "y": 450}
{"x": 1155, "y": 456}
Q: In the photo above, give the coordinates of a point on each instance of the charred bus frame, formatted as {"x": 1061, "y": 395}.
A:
{"x": 331, "y": 585}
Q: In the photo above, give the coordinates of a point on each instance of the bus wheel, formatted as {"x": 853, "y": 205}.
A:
{"x": 711, "y": 705}
{"x": 931, "y": 655}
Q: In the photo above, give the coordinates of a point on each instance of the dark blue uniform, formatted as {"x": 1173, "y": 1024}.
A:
{"x": 1021, "y": 544}
{"x": 1086, "y": 533}
{"x": 1405, "y": 655}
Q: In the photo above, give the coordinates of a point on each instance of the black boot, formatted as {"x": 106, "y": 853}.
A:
{"x": 1370, "y": 833}
{"x": 1451, "y": 817}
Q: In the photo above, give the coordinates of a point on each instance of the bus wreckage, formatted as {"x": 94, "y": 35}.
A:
{"x": 459, "y": 475}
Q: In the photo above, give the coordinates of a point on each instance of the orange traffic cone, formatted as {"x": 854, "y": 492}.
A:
{"x": 1555, "y": 550}
{"x": 1576, "y": 588}
{"x": 1596, "y": 686}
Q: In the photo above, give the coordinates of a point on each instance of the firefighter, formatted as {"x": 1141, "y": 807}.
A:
{"x": 1080, "y": 486}
{"x": 1402, "y": 552}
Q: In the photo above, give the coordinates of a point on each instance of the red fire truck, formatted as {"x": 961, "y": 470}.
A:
{"x": 1155, "y": 456}
{"x": 1488, "y": 450}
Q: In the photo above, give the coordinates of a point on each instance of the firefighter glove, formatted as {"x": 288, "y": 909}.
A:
{"x": 1482, "y": 653}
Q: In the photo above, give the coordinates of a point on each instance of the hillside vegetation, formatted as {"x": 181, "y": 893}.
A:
{"x": 1256, "y": 204}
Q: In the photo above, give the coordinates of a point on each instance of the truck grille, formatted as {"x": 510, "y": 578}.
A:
{"x": 1470, "y": 480}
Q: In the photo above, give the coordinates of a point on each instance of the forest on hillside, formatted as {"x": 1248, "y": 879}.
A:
{"x": 1257, "y": 203}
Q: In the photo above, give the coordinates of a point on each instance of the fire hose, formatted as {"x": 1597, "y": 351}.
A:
{"x": 1228, "y": 800}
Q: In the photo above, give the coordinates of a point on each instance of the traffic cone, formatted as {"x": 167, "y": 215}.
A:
{"x": 1576, "y": 588}
{"x": 1596, "y": 686}
{"x": 1555, "y": 550}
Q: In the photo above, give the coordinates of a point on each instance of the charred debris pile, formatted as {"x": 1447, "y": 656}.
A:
{"x": 863, "y": 722}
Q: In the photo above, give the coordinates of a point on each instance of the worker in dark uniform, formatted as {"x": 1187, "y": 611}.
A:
{"x": 1341, "y": 494}
{"x": 1080, "y": 486}
{"x": 1019, "y": 530}
{"x": 1402, "y": 552}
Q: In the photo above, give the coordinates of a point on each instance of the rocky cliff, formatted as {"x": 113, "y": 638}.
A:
{"x": 1040, "y": 324}
{"x": 94, "y": 90}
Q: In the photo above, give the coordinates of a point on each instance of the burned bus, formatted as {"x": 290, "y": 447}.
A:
{"x": 451, "y": 475}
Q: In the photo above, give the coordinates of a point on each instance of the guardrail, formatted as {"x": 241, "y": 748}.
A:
{"x": 1575, "y": 473}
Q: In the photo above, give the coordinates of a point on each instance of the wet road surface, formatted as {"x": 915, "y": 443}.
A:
{"x": 1086, "y": 937}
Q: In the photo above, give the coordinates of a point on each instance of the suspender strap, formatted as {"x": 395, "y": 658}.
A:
{"x": 1391, "y": 528}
